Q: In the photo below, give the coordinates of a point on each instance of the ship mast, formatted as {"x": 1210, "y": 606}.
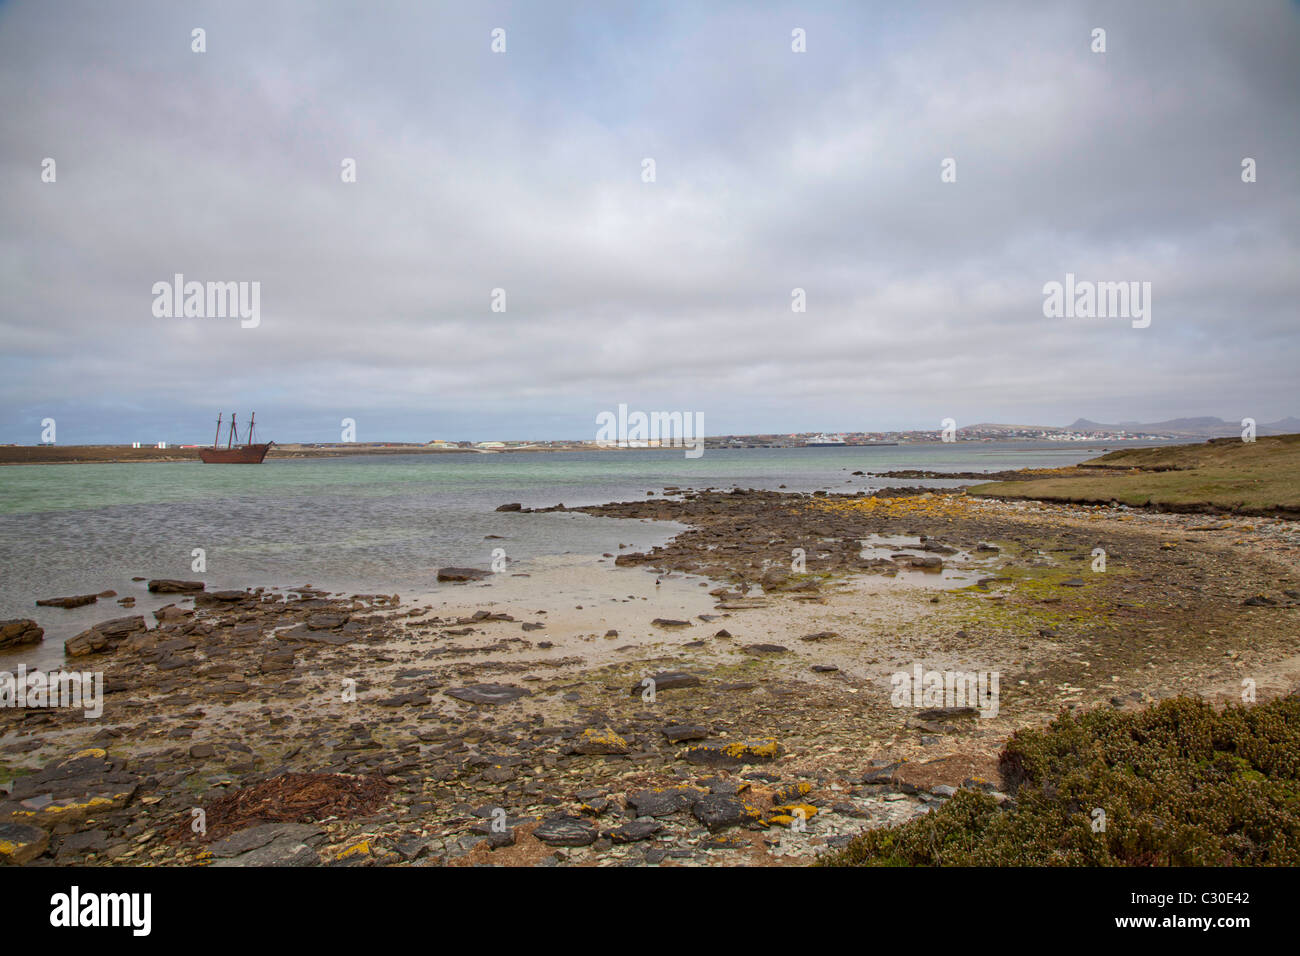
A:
{"x": 251, "y": 419}
{"x": 230, "y": 442}
{"x": 217, "y": 437}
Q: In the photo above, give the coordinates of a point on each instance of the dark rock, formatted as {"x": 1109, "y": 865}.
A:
{"x": 488, "y": 693}
{"x": 943, "y": 713}
{"x": 21, "y": 843}
{"x": 83, "y": 841}
{"x": 512, "y": 506}
{"x": 791, "y": 793}
{"x": 69, "y": 790}
{"x": 717, "y": 811}
{"x": 880, "y": 775}
{"x": 460, "y": 575}
{"x": 774, "y": 580}
{"x": 561, "y": 829}
{"x": 301, "y": 632}
{"x": 172, "y": 613}
{"x": 104, "y": 636}
{"x": 20, "y": 631}
{"x": 220, "y": 597}
{"x": 733, "y": 754}
{"x": 682, "y": 732}
{"x": 269, "y": 844}
{"x": 634, "y": 832}
{"x": 667, "y": 680}
{"x": 171, "y": 586}
{"x": 661, "y": 803}
{"x": 80, "y": 600}
{"x": 404, "y": 700}
{"x": 324, "y": 621}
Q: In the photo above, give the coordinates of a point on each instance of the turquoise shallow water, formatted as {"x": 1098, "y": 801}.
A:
{"x": 385, "y": 524}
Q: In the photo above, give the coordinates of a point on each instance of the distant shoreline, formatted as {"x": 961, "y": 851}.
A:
{"x": 118, "y": 454}
{"x": 121, "y": 454}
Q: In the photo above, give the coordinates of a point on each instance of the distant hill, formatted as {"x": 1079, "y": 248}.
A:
{"x": 1203, "y": 427}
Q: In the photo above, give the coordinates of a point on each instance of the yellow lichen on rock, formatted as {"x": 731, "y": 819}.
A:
{"x": 357, "y": 849}
{"x": 787, "y": 814}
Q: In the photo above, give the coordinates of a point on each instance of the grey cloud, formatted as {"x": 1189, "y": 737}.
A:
{"x": 522, "y": 171}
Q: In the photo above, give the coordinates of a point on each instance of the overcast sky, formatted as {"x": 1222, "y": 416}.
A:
{"x": 522, "y": 171}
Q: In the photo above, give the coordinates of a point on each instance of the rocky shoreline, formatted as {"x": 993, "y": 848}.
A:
{"x": 296, "y": 727}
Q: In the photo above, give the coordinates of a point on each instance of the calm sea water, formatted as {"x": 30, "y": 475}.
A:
{"x": 381, "y": 524}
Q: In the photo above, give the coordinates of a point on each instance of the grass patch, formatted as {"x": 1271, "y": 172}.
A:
{"x": 1225, "y": 474}
{"x": 1180, "y": 785}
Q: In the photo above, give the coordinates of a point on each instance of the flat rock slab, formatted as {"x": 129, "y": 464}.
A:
{"x": 681, "y": 733}
{"x": 283, "y": 852}
{"x": 661, "y": 803}
{"x": 83, "y": 841}
{"x": 70, "y": 790}
{"x": 325, "y": 621}
{"x": 734, "y": 754}
{"x": 945, "y": 713}
{"x": 220, "y": 597}
{"x": 560, "y": 829}
{"x": 488, "y": 693}
{"x": 302, "y": 632}
{"x": 667, "y": 680}
{"x": 173, "y": 586}
{"x": 79, "y": 600}
{"x": 404, "y": 700}
{"x": 21, "y": 842}
{"x": 262, "y": 835}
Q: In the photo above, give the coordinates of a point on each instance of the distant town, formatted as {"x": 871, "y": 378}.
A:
{"x": 1082, "y": 431}
{"x": 795, "y": 440}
